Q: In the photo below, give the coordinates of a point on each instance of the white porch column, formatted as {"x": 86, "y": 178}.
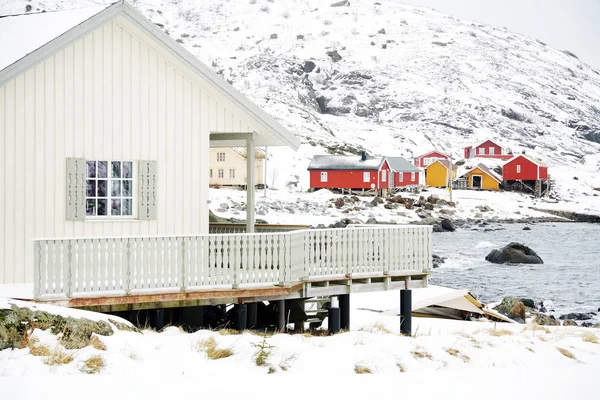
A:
{"x": 250, "y": 183}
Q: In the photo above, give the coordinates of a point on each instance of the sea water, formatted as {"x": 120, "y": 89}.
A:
{"x": 569, "y": 277}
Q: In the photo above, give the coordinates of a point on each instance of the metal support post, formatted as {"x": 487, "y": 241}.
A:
{"x": 281, "y": 315}
{"x": 240, "y": 313}
{"x": 333, "y": 315}
{"x": 345, "y": 311}
{"x": 406, "y": 312}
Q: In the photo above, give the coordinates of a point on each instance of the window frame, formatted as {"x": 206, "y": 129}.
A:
{"x": 324, "y": 176}
{"x": 221, "y": 173}
{"x": 401, "y": 177}
{"x": 413, "y": 176}
{"x": 491, "y": 151}
{"x": 221, "y": 156}
{"x": 383, "y": 175}
{"x": 366, "y": 176}
{"x": 518, "y": 168}
{"x": 231, "y": 173}
{"x": 109, "y": 180}
{"x": 481, "y": 151}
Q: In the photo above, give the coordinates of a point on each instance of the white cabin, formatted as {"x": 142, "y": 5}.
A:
{"x": 228, "y": 166}
{"x": 105, "y": 129}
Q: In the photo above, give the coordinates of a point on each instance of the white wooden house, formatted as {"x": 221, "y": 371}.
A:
{"x": 105, "y": 129}
{"x": 229, "y": 165}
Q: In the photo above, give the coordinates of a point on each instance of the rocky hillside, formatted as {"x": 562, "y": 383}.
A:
{"x": 390, "y": 78}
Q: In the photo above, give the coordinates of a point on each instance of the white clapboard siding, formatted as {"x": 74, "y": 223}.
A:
{"x": 74, "y": 267}
{"x": 114, "y": 93}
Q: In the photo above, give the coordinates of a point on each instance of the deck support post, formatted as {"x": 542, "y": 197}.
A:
{"x": 299, "y": 325}
{"x": 159, "y": 318}
{"x": 281, "y": 315}
{"x": 333, "y": 316}
{"x": 252, "y": 314}
{"x": 345, "y": 311}
{"x": 250, "y": 183}
{"x": 240, "y": 314}
{"x": 406, "y": 312}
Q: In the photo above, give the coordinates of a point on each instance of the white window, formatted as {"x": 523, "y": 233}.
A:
{"x": 400, "y": 176}
{"x": 109, "y": 188}
{"x": 383, "y": 175}
{"x": 491, "y": 151}
{"x": 366, "y": 177}
{"x": 481, "y": 150}
{"x": 323, "y": 176}
{"x": 412, "y": 176}
{"x": 211, "y": 173}
{"x": 220, "y": 156}
{"x": 221, "y": 173}
{"x": 232, "y": 173}
{"x": 518, "y": 169}
{"x": 427, "y": 161}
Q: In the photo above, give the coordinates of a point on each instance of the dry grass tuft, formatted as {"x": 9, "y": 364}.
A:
{"x": 96, "y": 343}
{"x": 361, "y": 369}
{"x": 93, "y": 365}
{"x": 566, "y": 353}
{"x": 36, "y": 349}
{"x": 456, "y": 353}
{"x": 272, "y": 369}
{"x": 500, "y": 332}
{"x": 376, "y": 327}
{"x": 537, "y": 327}
{"x": 227, "y": 332}
{"x": 590, "y": 337}
{"x": 209, "y": 346}
{"x": 400, "y": 367}
{"x": 420, "y": 354}
{"x": 58, "y": 357}
{"x": 530, "y": 349}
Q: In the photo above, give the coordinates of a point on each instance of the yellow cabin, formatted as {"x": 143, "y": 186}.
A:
{"x": 436, "y": 174}
{"x": 481, "y": 177}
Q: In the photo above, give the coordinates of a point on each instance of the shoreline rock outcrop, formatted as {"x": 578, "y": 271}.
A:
{"x": 514, "y": 253}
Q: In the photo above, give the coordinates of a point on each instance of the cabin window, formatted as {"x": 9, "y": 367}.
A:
{"x": 518, "y": 169}
{"x": 232, "y": 173}
{"x": 323, "y": 176}
{"x": 109, "y": 188}
{"x": 491, "y": 151}
{"x": 481, "y": 150}
{"x": 221, "y": 156}
{"x": 383, "y": 175}
{"x": 427, "y": 161}
{"x": 366, "y": 177}
{"x": 221, "y": 173}
{"x": 401, "y": 177}
{"x": 211, "y": 173}
{"x": 412, "y": 176}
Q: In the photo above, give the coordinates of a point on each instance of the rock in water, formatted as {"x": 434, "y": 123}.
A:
{"x": 514, "y": 253}
{"x": 542, "y": 319}
{"x": 447, "y": 225}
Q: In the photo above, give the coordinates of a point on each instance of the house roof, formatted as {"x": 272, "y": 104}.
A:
{"x": 30, "y": 38}
{"x": 401, "y": 164}
{"x": 432, "y": 151}
{"x": 485, "y": 170}
{"x": 345, "y": 163}
{"x": 490, "y": 140}
{"x": 532, "y": 159}
{"x": 445, "y": 163}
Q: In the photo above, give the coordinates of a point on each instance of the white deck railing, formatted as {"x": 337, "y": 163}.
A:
{"x": 129, "y": 265}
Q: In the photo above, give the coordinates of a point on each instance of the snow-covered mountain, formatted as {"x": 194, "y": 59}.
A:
{"x": 391, "y": 79}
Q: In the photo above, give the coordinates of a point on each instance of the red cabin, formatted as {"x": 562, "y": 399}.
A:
{"x": 404, "y": 173}
{"x": 426, "y": 159}
{"x": 487, "y": 149}
{"x": 524, "y": 168}
{"x": 349, "y": 172}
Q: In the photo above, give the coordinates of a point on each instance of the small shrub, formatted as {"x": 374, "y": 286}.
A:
{"x": 500, "y": 332}
{"x": 263, "y": 352}
{"x": 589, "y": 337}
{"x": 272, "y": 369}
{"x": 361, "y": 369}
{"x": 36, "y": 349}
{"x": 209, "y": 346}
{"x": 93, "y": 365}
{"x": 96, "y": 343}
{"x": 58, "y": 357}
{"x": 566, "y": 353}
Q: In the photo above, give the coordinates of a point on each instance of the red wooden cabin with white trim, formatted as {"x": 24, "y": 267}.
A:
{"x": 524, "y": 168}
{"x": 487, "y": 149}
{"x": 404, "y": 173}
{"x": 349, "y": 172}
{"x": 427, "y": 159}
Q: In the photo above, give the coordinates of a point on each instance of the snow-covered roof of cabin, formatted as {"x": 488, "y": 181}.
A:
{"x": 486, "y": 170}
{"x": 528, "y": 157}
{"x": 445, "y": 163}
{"x": 401, "y": 164}
{"x": 345, "y": 162}
{"x": 432, "y": 151}
{"x": 23, "y": 34}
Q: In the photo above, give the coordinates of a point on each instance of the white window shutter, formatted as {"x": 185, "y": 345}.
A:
{"x": 76, "y": 172}
{"x": 147, "y": 190}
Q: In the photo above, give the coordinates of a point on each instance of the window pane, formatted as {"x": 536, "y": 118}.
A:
{"x": 126, "y": 207}
{"x": 116, "y": 189}
{"x": 116, "y": 169}
{"x": 127, "y": 169}
{"x": 127, "y": 188}
{"x": 116, "y": 207}
{"x": 102, "y": 188}
{"x": 102, "y": 169}
{"x": 90, "y": 207}
{"x": 91, "y": 188}
{"x": 101, "y": 207}
{"x": 91, "y": 169}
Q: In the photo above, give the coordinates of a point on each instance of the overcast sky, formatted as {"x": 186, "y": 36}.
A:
{"x": 572, "y": 25}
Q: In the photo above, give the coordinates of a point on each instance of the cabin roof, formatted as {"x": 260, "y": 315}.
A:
{"x": 401, "y": 164}
{"x": 432, "y": 151}
{"x": 527, "y": 157}
{"x": 485, "y": 170}
{"x": 336, "y": 162}
{"x": 445, "y": 163}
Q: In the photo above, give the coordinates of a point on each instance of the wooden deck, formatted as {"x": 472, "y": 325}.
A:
{"x": 128, "y": 273}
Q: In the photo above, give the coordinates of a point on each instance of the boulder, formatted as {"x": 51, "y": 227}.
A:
{"x": 344, "y": 3}
{"x": 309, "y": 66}
{"x": 428, "y": 206}
{"x": 437, "y": 260}
{"x": 528, "y": 303}
{"x": 438, "y": 228}
{"x": 576, "y": 316}
{"x": 447, "y": 211}
{"x": 587, "y": 324}
{"x": 409, "y": 204}
{"x": 433, "y": 199}
{"x": 513, "y": 308}
{"x": 514, "y": 253}
{"x": 526, "y": 228}
{"x": 447, "y": 225}
{"x": 542, "y": 319}
{"x": 334, "y": 55}
{"x": 569, "y": 322}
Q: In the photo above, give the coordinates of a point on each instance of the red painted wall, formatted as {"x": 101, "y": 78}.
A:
{"x": 468, "y": 151}
{"x": 529, "y": 170}
{"x": 486, "y": 149}
{"x": 406, "y": 181}
{"x": 344, "y": 179}
{"x": 434, "y": 154}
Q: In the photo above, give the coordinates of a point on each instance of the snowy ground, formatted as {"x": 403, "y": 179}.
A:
{"x": 443, "y": 358}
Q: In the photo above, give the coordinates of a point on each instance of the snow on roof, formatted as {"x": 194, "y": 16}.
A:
{"x": 486, "y": 170}
{"x": 432, "y": 151}
{"x": 528, "y": 157}
{"x": 258, "y": 153}
{"x": 401, "y": 164}
{"x": 345, "y": 162}
{"x": 25, "y": 33}
{"x": 445, "y": 163}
